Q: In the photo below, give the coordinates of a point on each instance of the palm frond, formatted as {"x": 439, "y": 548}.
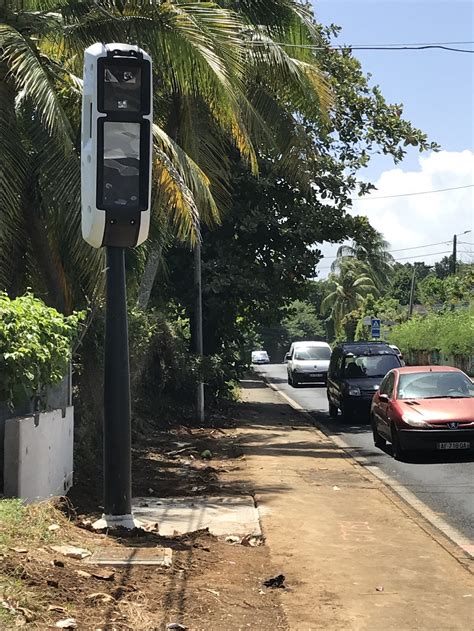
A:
{"x": 25, "y": 68}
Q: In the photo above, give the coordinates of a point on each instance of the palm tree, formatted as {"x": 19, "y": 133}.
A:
{"x": 220, "y": 83}
{"x": 348, "y": 288}
{"x": 36, "y": 146}
{"x": 371, "y": 249}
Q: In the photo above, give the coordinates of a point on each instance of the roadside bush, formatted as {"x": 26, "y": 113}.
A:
{"x": 35, "y": 347}
{"x": 450, "y": 333}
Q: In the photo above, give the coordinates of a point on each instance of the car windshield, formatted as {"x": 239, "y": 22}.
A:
{"x": 369, "y": 365}
{"x": 435, "y": 385}
{"x": 313, "y": 352}
{"x": 260, "y": 354}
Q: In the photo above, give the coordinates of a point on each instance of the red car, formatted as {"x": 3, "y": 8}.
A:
{"x": 424, "y": 408}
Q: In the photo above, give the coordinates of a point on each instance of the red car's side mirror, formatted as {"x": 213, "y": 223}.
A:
{"x": 384, "y": 397}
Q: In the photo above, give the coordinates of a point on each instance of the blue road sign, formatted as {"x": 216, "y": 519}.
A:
{"x": 375, "y": 324}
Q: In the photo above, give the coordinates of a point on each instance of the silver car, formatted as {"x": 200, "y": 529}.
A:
{"x": 308, "y": 363}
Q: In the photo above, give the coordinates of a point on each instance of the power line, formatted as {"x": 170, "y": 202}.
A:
{"x": 429, "y": 46}
{"x": 415, "y": 247}
{"x": 405, "y": 258}
{"x": 437, "y": 190}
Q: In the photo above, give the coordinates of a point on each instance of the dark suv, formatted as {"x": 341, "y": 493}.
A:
{"x": 355, "y": 372}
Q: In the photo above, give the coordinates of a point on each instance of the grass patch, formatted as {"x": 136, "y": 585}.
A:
{"x": 22, "y": 524}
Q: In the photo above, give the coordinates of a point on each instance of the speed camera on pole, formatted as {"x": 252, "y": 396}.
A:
{"x": 116, "y": 145}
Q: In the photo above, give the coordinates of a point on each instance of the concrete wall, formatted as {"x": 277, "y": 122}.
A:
{"x": 38, "y": 454}
{"x": 434, "y": 358}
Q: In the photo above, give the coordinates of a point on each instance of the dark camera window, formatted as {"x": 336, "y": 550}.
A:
{"x": 121, "y": 166}
{"x": 122, "y": 87}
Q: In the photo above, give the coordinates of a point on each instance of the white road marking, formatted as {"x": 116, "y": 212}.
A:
{"x": 453, "y": 534}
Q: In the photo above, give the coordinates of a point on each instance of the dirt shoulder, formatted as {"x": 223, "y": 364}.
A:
{"x": 212, "y": 584}
{"x": 352, "y": 557}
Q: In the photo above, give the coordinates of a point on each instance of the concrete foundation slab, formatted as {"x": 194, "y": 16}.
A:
{"x": 222, "y": 515}
{"x": 132, "y": 556}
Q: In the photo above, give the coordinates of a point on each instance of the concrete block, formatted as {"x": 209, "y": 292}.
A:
{"x": 222, "y": 515}
{"x": 38, "y": 458}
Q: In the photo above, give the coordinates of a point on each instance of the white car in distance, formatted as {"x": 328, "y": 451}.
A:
{"x": 260, "y": 357}
{"x": 308, "y": 362}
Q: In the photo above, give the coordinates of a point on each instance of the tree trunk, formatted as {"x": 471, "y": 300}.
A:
{"x": 149, "y": 274}
{"x": 47, "y": 260}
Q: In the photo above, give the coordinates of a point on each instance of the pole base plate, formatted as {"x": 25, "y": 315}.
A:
{"x": 118, "y": 521}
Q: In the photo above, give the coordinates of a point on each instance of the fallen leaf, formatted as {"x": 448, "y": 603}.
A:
{"x": 99, "y": 597}
{"x": 379, "y": 588}
{"x": 232, "y": 539}
{"x": 20, "y": 550}
{"x": 54, "y": 527}
{"x": 252, "y": 541}
{"x": 29, "y": 615}
{"x": 336, "y": 488}
{"x": 104, "y": 575}
{"x": 151, "y": 491}
{"x": 72, "y": 552}
{"x": 56, "y": 608}
{"x": 8, "y": 606}
{"x": 176, "y": 626}
{"x": 67, "y": 623}
{"x": 150, "y": 527}
{"x": 83, "y": 574}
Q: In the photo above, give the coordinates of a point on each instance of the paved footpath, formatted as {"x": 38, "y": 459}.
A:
{"x": 354, "y": 557}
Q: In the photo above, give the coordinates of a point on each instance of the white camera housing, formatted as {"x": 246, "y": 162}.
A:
{"x": 116, "y": 145}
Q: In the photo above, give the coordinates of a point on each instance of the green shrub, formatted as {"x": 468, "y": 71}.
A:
{"x": 451, "y": 333}
{"x": 35, "y": 347}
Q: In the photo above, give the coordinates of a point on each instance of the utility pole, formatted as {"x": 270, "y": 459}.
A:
{"x": 455, "y": 248}
{"x": 412, "y": 292}
{"x": 199, "y": 346}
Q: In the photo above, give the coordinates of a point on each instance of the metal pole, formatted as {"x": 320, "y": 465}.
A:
{"x": 117, "y": 425}
{"x": 198, "y": 325}
{"x": 412, "y": 292}
{"x": 455, "y": 247}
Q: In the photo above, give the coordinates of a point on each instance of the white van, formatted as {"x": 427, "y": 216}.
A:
{"x": 308, "y": 362}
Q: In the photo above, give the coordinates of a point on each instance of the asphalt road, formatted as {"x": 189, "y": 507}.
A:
{"x": 444, "y": 482}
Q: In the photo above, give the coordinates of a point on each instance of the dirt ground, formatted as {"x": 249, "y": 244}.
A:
{"x": 211, "y": 584}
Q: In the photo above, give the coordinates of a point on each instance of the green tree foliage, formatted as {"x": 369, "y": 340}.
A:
{"x": 444, "y": 267}
{"x": 302, "y": 322}
{"x": 35, "y": 347}
{"x": 447, "y": 292}
{"x": 449, "y": 333}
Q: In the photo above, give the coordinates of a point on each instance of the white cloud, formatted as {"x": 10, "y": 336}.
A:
{"x": 422, "y": 219}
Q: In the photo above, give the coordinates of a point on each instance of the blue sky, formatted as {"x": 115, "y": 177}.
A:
{"x": 436, "y": 88}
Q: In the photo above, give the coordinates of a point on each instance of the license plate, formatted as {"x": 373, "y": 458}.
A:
{"x": 315, "y": 374}
{"x": 453, "y": 445}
